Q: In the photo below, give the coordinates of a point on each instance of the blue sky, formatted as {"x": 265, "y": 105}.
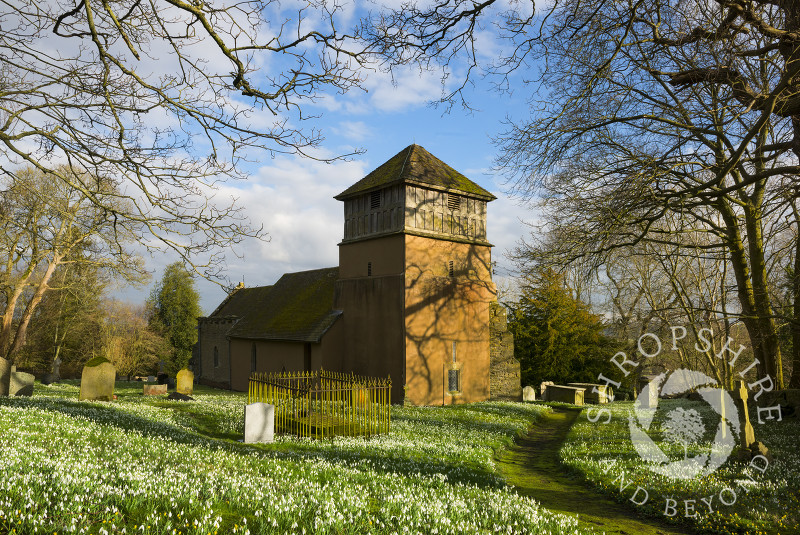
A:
{"x": 292, "y": 197}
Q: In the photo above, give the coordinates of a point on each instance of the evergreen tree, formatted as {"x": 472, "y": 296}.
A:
{"x": 556, "y": 337}
{"x": 174, "y": 309}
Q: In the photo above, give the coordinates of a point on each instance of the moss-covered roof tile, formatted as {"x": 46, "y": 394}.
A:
{"x": 296, "y": 308}
{"x": 415, "y": 165}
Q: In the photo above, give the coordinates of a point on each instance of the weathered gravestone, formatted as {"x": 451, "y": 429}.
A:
{"x": 97, "y": 380}
{"x": 543, "y": 389}
{"x": 595, "y": 393}
{"x": 565, "y": 394}
{"x": 162, "y": 378}
{"x": 21, "y": 383}
{"x": 5, "y": 376}
{"x": 528, "y": 394}
{"x": 185, "y": 382}
{"x": 648, "y": 393}
{"x": 259, "y": 423}
{"x": 154, "y": 390}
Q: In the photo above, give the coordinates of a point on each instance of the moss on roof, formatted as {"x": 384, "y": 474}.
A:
{"x": 296, "y": 308}
{"x": 240, "y": 301}
{"x": 415, "y": 165}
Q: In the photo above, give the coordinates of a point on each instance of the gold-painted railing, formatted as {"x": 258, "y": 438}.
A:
{"x": 323, "y": 404}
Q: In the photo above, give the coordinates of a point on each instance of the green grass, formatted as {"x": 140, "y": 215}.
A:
{"x": 147, "y": 465}
{"x": 769, "y": 503}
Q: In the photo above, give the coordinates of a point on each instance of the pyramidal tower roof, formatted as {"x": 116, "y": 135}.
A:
{"x": 415, "y": 165}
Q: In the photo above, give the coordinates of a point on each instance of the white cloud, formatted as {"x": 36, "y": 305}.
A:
{"x": 353, "y": 130}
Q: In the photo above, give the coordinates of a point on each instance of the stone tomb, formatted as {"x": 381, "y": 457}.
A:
{"x": 97, "y": 380}
{"x": 185, "y": 382}
{"x": 595, "y": 393}
{"x": 5, "y": 376}
{"x": 21, "y": 383}
{"x": 528, "y": 394}
{"x": 543, "y": 389}
{"x": 154, "y": 390}
{"x": 259, "y": 423}
{"x": 565, "y": 394}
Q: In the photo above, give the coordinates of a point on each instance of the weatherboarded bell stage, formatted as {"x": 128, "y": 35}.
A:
{"x": 411, "y": 296}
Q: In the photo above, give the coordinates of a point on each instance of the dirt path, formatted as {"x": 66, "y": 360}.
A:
{"x": 533, "y": 467}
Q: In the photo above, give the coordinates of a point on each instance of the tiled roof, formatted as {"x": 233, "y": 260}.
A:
{"x": 415, "y": 165}
{"x": 240, "y": 301}
{"x": 296, "y": 308}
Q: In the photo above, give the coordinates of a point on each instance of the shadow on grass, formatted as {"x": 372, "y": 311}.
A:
{"x": 203, "y": 434}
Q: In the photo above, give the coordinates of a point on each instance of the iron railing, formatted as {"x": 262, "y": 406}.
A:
{"x": 324, "y": 404}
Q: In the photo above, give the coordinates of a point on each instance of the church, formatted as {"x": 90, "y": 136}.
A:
{"x": 412, "y": 297}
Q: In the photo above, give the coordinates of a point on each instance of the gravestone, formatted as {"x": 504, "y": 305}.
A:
{"x": 565, "y": 394}
{"x": 151, "y": 378}
{"x": 162, "y": 379}
{"x": 5, "y": 376}
{"x": 259, "y": 423}
{"x": 185, "y": 382}
{"x": 97, "y": 380}
{"x": 21, "y": 383}
{"x": 154, "y": 390}
{"x": 648, "y": 395}
{"x": 603, "y": 394}
{"x": 528, "y": 394}
{"x": 543, "y": 389}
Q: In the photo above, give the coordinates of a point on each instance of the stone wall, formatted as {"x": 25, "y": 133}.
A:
{"x": 504, "y": 371}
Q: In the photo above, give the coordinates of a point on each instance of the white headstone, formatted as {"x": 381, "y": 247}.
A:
{"x": 259, "y": 423}
{"x": 528, "y": 394}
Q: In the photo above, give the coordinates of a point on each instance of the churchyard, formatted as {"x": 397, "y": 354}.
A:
{"x": 144, "y": 464}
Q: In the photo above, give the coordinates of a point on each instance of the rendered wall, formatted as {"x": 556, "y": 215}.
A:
{"x": 371, "y": 328}
{"x": 441, "y": 309}
{"x": 270, "y": 357}
{"x": 212, "y": 332}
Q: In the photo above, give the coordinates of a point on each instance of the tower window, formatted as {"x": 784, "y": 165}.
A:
{"x": 253, "y": 357}
{"x": 454, "y": 381}
{"x": 216, "y": 357}
{"x": 369, "y": 269}
{"x": 450, "y": 269}
{"x": 375, "y": 200}
{"x": 453, "y": 202}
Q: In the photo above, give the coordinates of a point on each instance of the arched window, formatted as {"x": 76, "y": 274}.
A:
{"x": 216, "y": 357}
{"x": 253, "y": 357}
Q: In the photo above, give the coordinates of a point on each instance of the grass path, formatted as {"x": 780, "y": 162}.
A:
{"x": 532, "y": 465}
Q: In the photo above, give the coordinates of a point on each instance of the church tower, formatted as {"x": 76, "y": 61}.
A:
{"x": 415, "y": 282}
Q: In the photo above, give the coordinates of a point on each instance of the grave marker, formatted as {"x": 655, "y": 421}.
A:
{"x": 565, "y": 394}
{"x": 5, "y": 376}
{"x": 154, "y": 390}
{"x": 21, "y": 383}
{"x": 97, "y": 380}
{"x": 543, "y": 389}
{"x": 528, "y": 394}
{"x": 259, "y": 423}
{"x": 185, "y": 382}
{"x": 748, "y": 437}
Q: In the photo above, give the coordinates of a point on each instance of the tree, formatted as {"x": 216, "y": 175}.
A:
{"x": 175, "y": 308}
{"x": 644, "y": 109}
{"x": 556, "y": 337}
{"x": 67, "y": 325}
{"x": 45, "y": 225}
{"x": 168, "y": 97}
{"x": 129, "y": 342}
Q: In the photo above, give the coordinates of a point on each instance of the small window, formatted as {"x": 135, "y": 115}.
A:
{"x": 375, "y": 200}
{"x": 216, "y": 357}
{"x": 253, "y": 357}
{"x": 453, "y": 202}
{"x": 454, "y": 381}
{"x": 450, "y": 269}
{"x": 369, "y": 269}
